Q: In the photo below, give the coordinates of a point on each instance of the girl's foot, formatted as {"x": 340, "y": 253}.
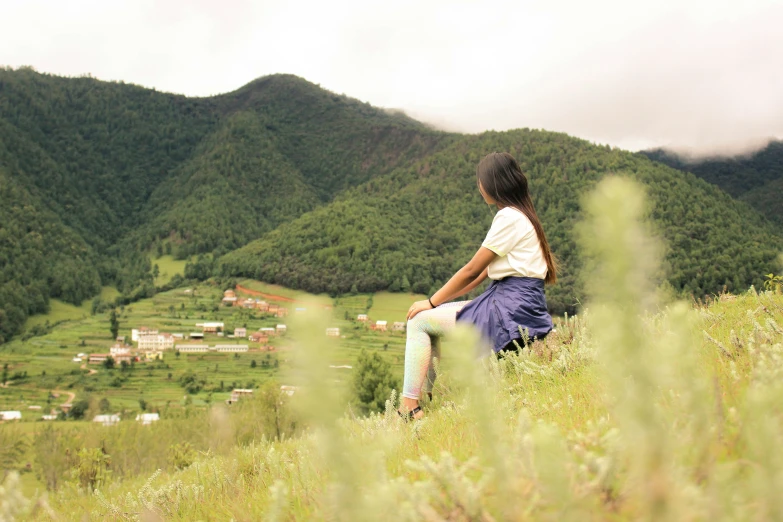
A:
{"x": 415, "y": 414}
{"x": 410, "y": 409}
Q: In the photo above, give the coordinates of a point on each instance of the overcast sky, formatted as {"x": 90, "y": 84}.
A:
{"x": 704, "y": 76}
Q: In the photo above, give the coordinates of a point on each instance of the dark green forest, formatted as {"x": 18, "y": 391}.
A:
{"x": 756, "y": 178}
{"x": 412, "y": 229}
{"x": 106, "y": 172}
{"x": 289, "y": 183}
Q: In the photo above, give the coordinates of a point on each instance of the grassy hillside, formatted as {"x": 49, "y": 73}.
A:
{"x": 412, "y": 229}
{"x": 541, "y": 439}
{"x": 756, "y": 178}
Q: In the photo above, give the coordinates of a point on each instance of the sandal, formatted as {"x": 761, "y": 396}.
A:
{"x": 411, "y": 415}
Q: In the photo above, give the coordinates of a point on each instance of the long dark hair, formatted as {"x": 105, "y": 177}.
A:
{"x": 502, "y": 179}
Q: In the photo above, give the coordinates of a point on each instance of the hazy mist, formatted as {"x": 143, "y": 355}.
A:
{"x": 702, "y": 77}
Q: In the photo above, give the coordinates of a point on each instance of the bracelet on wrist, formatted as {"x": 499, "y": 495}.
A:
{"x": 430, "y": 301}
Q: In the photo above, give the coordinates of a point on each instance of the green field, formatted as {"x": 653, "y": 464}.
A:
{"x": 392, "y": 307}
{"x": 168, "y": 267}
{"x": 60, "y": 311}
{"x": 38, "y": 365}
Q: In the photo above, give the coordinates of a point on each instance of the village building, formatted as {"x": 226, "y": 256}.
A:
{"x": 273, "y": 308}
{"x": 361, "y": 317}
{"x": 282, "y": 312}
{"x": 107, "y": 420}
{"x": 127, "y": 358}
{"x": 178, "y": 336}
{"x": 98, "y": 358}
{"x": 119, "y": 349}
{"x": 266, "y": 348}
{"x": 211, "y": 327}
{"x": 147, "y": 418}
{"x": 141, "y": 330}
{"x": 268, "y": 331}
{"x": 6, "y": 416}
{"x": 49, "y": 417}
{"x": 196, "y": 335}
{"x": 237, "y": 394}
{"x": 240, "y": 332}
{"x": 192, "y": 348}
{"x": 153, "y": 356}
{"x": 120, "y": 339}
{"x": 281, "y": 329}
{"x": 379, "y": 326}
{"x": 229, "y": 298}
{"x": 157, "y": 341}
{"x": 77, "y": 359}
{"x": 228, "y": 348}
{"x": 258, "y": 337}
{"x": 333, "y": 332}
{"x": 398, "y": 327}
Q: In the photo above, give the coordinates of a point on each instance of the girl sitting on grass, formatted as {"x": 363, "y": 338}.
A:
{"x": 515, "y": 255}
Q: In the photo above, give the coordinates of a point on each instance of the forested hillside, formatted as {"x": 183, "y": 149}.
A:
{"x": 756, "y": 179}
{"x": 39, "y": 257}
{"x": 123, "y": 170}
{"x": 414, "y": 227}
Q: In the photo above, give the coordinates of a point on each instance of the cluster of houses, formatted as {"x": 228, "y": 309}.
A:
{"x": 380, "y": 326}
{"x": 230, "y": 299}
{"x": 151, "y": 344}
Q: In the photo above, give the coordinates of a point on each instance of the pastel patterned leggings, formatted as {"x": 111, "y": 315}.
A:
{"x": 423, "y": 343}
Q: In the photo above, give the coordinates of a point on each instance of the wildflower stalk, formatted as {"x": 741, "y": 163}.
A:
{"x": 623, "y": 260}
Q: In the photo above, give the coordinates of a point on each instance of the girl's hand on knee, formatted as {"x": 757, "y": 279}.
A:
{"x": 418, "y": 306}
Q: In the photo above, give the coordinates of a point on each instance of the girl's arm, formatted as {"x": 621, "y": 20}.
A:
{"x": 473, "y": 284}
{"x": 465, "y": 280}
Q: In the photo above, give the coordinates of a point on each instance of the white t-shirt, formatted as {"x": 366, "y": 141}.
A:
{"x": 513, "y": 238}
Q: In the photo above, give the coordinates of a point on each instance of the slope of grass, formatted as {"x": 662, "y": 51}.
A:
{"x": 388, "y": 306}
{"x": 168, "y": 267}
{"x": 544, "y": 415}
{"x": 61, "y": 311}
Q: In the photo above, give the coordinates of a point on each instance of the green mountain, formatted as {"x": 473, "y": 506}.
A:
{"x": 287, "y": 182}
{"x": 756, "y": 179}
{"x": 415, "y": 226}
{"x": 122, "y": 170}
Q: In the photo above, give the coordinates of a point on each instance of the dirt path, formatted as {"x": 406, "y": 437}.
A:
{"x": 271, "y": 297}
{"x": 71, "y": 397}
{"x": 91, "y": 372}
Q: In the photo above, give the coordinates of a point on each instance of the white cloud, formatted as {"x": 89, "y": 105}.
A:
{"x": 703, "y": 76}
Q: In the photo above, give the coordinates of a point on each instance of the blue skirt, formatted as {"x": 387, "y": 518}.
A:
{"x": 505, "y": 306}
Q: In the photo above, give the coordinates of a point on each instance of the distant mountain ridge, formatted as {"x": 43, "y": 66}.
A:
{"x": 287, "y": 182}
{"x": 756, "y": 178}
